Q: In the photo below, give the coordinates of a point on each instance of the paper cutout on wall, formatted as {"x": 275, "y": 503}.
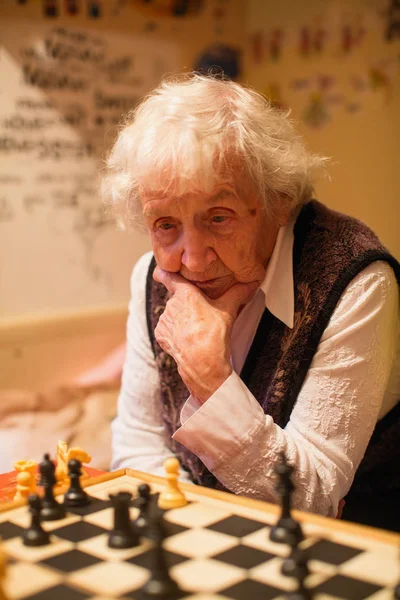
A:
{"x": 319, "y": 40}
{"x": 95, "y": 9}
{"x": 381, "y": 76}
{"x": 335, "y": 99}
{"x": 50, "y": 8}
{"x": 360, "y": 82}
{"x": 275, "y": 44}
{"x": 305, "y": 41}
{"x": 379, "y": 79}
{"x": 326, "y": 82}
{"x": 220, "y": 57}
{"x": 219, "y": 15}
{"x": 72, "y": 7}
{"x": 312, "y": 39}
{"x": 266, "y": 45}
{"x": 393, "y": 25}
{"x": 170, "y": 8}
{"x": 150, "y": 26}
{"x": 322, "y": 83}
{"x": 257, "y": 48}
{"x": 118, "y": 7}
{"x": 352, "y": 32}
{"x": 346, "y": 39}
{"x": 300, "y": 84}
{"x": 353, "y": 107}
{"x": 316, "y": 113}
{"x": 321, "y": 95}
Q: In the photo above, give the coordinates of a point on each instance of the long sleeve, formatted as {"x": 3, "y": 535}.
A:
{"x": 138, "y": 439}
{"x": 334, "y": 416}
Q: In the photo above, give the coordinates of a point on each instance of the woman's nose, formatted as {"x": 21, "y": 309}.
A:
{"x": 197, "y": 253}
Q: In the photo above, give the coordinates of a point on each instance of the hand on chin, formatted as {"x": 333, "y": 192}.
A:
{"x": 217, "y": 289}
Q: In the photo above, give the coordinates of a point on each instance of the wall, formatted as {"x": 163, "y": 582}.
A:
{"x": 64, "y": 83}
{"x": 330, "y": 62}
{"x": 41, "y": 353}
{"x": 58, "y": 252}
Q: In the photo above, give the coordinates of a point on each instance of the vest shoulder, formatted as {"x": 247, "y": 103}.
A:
{"x": 142, "y": 265}
{"x": 337, "y": 230}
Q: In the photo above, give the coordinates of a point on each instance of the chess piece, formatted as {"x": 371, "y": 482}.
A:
{"x": 124, "y": 534}
{"x": 3, "y": 565}
{"x": 143, "y": 504}
{"x": 51, "y": 509}
{"x": 62, "y": 462}
{"x": 286, "y": 530}
{"x": 64, "y": 455}
{"x": 296, "y": 565}
{"x": 35, "y": 535}
{"x": 24, "y": 485}
{"x": 171, "y": 496}
{"x": 28, "y": 466}
{"x": 397, "y": 592}
{"x": 160, "y": 584}
{"x": 75, "y": 495}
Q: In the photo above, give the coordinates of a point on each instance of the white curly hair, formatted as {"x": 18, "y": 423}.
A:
{"x": 194, "y": 132}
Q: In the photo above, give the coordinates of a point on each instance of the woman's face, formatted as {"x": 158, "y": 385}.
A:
{"x": 213, "y": 240}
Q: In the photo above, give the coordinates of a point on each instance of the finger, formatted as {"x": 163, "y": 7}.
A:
{"x": 171, "y": 280}
{"x": 236, "y": 296}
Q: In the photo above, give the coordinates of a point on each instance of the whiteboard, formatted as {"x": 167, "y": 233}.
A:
{"x": 62, "y": 93}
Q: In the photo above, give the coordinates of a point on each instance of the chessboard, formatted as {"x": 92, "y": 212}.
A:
{"x": 216, "y": 547}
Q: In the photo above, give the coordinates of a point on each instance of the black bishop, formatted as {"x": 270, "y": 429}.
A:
{"x": 51, "y": 509}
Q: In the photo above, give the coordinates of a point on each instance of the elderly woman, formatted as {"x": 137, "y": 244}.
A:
{"x": 262, "y": 322}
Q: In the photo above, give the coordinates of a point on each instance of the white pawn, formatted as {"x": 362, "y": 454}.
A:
{"x": 3, "y": 565}
{"x": 171, "y": 497}
{"x": 24, "y": 486}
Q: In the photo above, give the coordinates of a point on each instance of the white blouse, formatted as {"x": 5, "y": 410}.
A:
{"x": 353, "y": 381}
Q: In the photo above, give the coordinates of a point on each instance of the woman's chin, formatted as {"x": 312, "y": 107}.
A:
{"x": 214, "y": 291}
{"x": 213, "y": 294}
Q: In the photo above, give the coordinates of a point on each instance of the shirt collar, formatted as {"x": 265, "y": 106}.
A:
{"x": 278, "y": 285}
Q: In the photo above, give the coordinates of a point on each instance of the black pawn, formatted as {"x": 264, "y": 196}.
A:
{"x": 51, "y": 509}
{"x": 160, "y": 584}
{"x": 296, "y": 565}
{"x": 75, "y": 496}
{"x": 286, "y": 530}
{"x": 143, "y": 504}
{"x": 124, "y": 534}
{"x": 397, "y": 592}
{"x": 35, "y": 535}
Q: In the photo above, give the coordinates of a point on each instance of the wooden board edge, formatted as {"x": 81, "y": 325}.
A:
{"x": 11, "y": 504}
{"x": 109, "y": 476}
{"x": 334, "y": 525}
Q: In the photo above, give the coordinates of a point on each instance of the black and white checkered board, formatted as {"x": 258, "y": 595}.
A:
{"x": 216, "y": 550}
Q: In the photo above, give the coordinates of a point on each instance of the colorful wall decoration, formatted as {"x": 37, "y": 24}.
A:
{"x": 335, "y": 70}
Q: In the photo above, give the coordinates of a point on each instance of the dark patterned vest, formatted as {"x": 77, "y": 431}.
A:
{"x": 330, "y": 249}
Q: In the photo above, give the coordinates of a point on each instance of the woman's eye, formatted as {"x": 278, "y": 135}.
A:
{"x": 165, "y": 226}
{"x": 219, "y": 219}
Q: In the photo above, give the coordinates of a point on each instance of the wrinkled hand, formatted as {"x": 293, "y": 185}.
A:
{"x": 196, "y": 331}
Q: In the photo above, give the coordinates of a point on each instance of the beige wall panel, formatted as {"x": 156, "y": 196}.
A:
{"x": 364, "y": 145}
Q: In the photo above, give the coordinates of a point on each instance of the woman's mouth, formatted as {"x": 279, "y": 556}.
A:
{"x": 205, "y": 282}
